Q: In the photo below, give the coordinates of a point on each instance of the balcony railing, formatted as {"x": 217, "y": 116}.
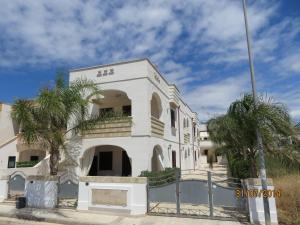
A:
{"x": 119, "y": 127}
{"x": 187, "y": 138}
{"x": 157, "y": 127}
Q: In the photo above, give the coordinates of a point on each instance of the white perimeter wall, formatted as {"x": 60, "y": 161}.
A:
{"x": 136, "y": 195}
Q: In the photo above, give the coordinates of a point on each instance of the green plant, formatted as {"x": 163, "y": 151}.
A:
{"x": 235, "y": 132}
{"x": 26, "y": 164}
{"x": 57, "y": 110}
{"x": 156, "y": 178}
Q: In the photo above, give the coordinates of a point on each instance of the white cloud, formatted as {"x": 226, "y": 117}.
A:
{"x": 290, "y": 63}
{"x": 207, "y": 32}
{"x": 214, "y": 99}
{"x": 72, "y": 31}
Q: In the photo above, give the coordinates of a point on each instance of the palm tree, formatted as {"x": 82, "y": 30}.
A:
{"x": 235, "y": 132}
{"x": 56, "y": 111}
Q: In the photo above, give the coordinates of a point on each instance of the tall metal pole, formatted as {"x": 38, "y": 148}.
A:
{"x": 262, "y": 170}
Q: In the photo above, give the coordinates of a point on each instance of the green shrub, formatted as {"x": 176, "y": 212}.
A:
{"x": 156, "y": 178}
{"x": 239, "y": 168}
{"x": 27, "y": 164}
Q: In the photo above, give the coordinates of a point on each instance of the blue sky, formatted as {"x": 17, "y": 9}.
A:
{"x": 200, "y": 45}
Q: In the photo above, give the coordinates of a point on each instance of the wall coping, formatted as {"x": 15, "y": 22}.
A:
{"x": 257, "y": 181}
{"x": 113, "y": 179}
{"x": 4, "y": 177}
{"x": 43, "y": 178}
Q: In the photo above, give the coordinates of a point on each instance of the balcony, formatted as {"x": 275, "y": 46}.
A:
{"x": 120, "y": 127}
{"x": 157, "y": 128}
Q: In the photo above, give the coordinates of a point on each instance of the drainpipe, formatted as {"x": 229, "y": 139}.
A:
{"x": 179, "y": 141}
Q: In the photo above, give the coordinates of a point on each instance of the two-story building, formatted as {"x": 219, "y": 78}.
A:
{"x": 160, "y": 129}
{"x": 157, "y": 129}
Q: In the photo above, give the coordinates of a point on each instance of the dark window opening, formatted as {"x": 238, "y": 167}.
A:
{"x": 105, "y": 160}
{"x": 173, "y": 118}
{"x": 126, "y": 166}
{"x": 126, "y": 110}
{"x": 34, "y": 158}
{"x": 11, "y": 162}
{"x": 173, "y": 159}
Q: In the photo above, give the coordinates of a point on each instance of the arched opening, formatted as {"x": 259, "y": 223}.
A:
{"x": 106, "y": 160}
{"x": 157, "y": 159}
{"x": 112, "y": 102}
{"x": 156, "y": 107}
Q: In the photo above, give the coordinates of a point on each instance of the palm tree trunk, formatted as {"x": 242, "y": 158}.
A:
{"x": 54, "y": 157}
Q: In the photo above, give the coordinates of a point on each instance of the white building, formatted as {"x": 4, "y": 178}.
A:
{"x": 159, "y": 122}
{"x": 159, "y": 131}
{"x": 12, "y": 150}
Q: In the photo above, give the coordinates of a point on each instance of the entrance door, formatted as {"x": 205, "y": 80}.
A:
{"x": 94, "y": 167}
{"x": 126, "y": 168}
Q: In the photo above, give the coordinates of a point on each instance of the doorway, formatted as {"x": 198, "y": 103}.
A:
{"x": 94, "y": 167}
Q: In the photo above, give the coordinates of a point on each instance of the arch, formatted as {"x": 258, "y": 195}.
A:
{"x": 112, "y": 100}
{"x": 16, "y": 184}
{"x": 106, "y": 160}
{"x": 157, "y": 159}
{"x": 156, "y": 106}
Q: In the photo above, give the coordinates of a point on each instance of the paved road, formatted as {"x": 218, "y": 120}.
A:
{"x": 12, "y": 221}
{"x": 130, "y": 221}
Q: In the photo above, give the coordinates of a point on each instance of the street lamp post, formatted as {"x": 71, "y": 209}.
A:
{"x": 263, "y": 175}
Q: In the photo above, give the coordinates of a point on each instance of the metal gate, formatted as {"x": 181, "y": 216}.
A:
{"x": 68, "y": 190}
{"x": 196, "y": 194}
{"x": 16, "y": 184}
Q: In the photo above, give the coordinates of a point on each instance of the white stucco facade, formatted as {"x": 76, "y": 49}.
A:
{"x": 153, "y": 132}
{"x": 160, "y": 129}
{"x": 13, "y": 149}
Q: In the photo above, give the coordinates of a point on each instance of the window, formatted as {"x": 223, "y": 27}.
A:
{"x": 34, "y": 158}
{"x": 173, "y": 118}
{"x": 11, "y": 162}
{"x": 126, "y": 110}
{"x": 105, "y": 111}
{"x": 105, "y": 160}
{"x": 173, "y": 159}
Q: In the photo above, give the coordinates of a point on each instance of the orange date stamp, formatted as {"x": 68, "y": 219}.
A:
{"x": 256, "y": 193}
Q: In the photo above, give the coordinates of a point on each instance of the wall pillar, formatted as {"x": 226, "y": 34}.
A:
{"x": 3, "y": 188}
{"x": 255, "y": 204}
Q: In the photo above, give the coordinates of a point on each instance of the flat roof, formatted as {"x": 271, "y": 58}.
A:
{"x": 125, "y": 62}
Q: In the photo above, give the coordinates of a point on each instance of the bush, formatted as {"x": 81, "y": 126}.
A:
{"x": 288, "y": 205}
{"x": 156, "y": 178}
{"x": 27, "y": 164}
{"x": 239, "y": 168}
{"x": 276, "y": 167}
